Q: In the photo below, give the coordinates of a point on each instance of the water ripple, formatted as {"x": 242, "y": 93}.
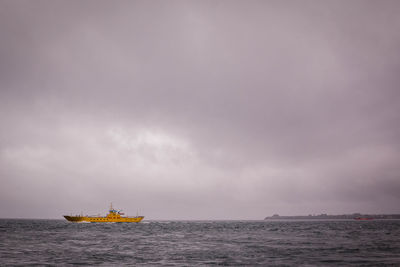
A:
{"x": 177, "y": 243}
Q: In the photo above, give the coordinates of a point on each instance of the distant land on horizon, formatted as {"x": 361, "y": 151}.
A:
{"x": 342, "y": 216}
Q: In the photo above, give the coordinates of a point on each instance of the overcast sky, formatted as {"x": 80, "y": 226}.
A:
{"x": 199, "y": 109}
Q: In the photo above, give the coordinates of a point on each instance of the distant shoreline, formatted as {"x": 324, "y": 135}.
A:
{"x": 353, "y": 216}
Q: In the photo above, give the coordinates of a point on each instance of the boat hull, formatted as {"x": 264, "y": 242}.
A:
{"x": 363, "y": 219}
{"x": 103, "y": 219}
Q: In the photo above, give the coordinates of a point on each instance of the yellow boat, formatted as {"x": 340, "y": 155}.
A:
{"x": 112, "y": 216}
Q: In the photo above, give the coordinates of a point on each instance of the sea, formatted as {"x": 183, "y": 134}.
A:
{"x": 26, "y": 242}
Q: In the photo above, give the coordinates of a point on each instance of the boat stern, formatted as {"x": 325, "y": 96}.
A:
{"x": 74, "y": 218}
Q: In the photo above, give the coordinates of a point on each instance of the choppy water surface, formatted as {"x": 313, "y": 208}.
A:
{"x": 58, "y": 242}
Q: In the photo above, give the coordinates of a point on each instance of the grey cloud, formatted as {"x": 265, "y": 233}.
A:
{"x": 283, "y": 106}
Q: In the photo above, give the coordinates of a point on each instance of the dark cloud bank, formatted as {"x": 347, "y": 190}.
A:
{"x": 199, "y": 109}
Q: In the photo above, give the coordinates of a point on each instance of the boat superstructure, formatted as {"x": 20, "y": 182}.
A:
{"x": 112, "y": 216}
